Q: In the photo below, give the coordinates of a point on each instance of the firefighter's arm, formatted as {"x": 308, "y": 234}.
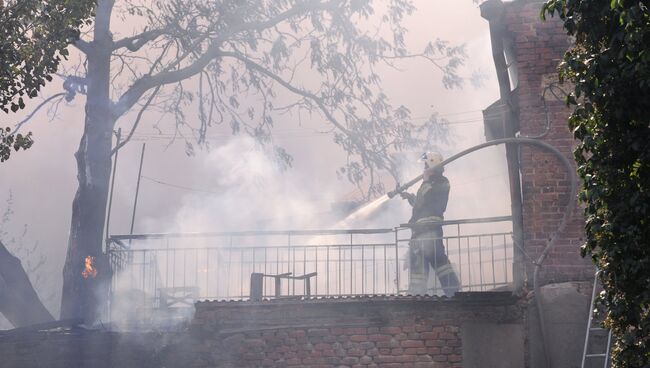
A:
{"x": 410, "y": 197}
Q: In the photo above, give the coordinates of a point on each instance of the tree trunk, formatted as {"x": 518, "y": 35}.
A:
{"x": 19, "y": 302}
{"x": 84, "y": 296}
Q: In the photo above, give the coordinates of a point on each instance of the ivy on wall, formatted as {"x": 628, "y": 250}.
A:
{"x": 609, "y": 66}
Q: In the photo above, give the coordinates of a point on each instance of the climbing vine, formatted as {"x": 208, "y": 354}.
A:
{"x": 609, "y": 66}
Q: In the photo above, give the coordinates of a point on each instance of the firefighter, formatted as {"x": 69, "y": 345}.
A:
{"x": 426, "y": 246}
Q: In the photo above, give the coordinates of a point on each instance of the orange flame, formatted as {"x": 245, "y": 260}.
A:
{"x": 89, "y": 270}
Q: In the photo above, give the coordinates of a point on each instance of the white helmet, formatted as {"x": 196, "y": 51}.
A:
{"x": 431, "y": 159}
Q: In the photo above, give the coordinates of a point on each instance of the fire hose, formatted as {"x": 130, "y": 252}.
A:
{"x": 569, "y": 207}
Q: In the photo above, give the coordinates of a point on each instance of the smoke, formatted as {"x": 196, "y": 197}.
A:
{"x": 241, "y": 187}
{"x": 250, "y": 191}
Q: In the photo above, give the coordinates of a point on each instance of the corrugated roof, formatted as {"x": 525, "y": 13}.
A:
{"x": 460, "y": 296}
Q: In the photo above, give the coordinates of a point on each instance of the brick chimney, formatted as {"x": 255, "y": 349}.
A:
{"x": 527, "y": 52}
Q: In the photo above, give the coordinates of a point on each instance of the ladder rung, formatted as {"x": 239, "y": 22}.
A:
{"x": 591, "y": 330}
{"x": 596, "y": 355}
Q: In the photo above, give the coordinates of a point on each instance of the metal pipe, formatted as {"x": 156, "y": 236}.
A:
{"x": 108, "y": 212}
{"x": 110, "y": 195}
{"x": 137, "y": 189}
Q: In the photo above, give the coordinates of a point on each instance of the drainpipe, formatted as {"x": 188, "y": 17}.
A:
{"x": 493, "y": 11}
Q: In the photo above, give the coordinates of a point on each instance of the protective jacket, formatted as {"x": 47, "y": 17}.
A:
{"x": 430, "y": 202}
{"x": 426, "y": 248}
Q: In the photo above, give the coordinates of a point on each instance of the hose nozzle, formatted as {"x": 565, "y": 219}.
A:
{"x": 400, "y": 188}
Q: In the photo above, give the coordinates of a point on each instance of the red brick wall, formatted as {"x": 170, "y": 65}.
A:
{"x": 365, "y": 332}
{"x": 424, "y": 344}
{"x": 539, "y": 47}
{"x": 359, "y": 332}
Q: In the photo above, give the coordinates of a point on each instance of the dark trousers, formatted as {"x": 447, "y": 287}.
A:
{"x": 426, "y": 250}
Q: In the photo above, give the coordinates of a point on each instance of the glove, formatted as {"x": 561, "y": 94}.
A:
{"x": 408, "y": 196}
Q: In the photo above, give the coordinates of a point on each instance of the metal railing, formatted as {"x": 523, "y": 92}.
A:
{"x": 168, "y": 270}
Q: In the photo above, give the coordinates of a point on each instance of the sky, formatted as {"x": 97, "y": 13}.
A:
{"x": 231, "y": 188}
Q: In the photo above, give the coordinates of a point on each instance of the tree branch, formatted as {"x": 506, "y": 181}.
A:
{"x": 83, "y": 46}
{"x": 31, "y": 115}
{"x": 136, "y": 42}
{"x": 363, "y": 151}
{"x": 137, "y": 121}
{"x": 142, "y": 85}
{"x": 253, "y": 65}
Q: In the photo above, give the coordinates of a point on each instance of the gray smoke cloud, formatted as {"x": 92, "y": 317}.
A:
{"x": 236, "y": 186}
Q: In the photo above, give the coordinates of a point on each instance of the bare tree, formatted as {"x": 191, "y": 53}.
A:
{"x": 234, "y": 61}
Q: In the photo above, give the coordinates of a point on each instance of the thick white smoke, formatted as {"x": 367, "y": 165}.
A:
{"x": 250, "y": 192}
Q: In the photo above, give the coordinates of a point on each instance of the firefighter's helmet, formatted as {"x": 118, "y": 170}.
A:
{"x": 431, "y": 159}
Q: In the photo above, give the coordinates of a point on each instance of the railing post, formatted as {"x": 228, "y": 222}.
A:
{"x": 257, "y": 285}
{"x": 396, "y": 230}
{"x": 278, "y": 287}
{"x": 111, "y": 286}
{"x": 351, "y": 265}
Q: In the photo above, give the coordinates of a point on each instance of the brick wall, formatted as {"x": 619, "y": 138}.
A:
{"x": 365, "y": 332}
{"x": 418, "y": 345}
{"x": 539, "y": 47}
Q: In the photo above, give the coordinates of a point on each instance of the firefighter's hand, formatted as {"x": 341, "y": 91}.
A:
{"x": 408, "y": 196}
